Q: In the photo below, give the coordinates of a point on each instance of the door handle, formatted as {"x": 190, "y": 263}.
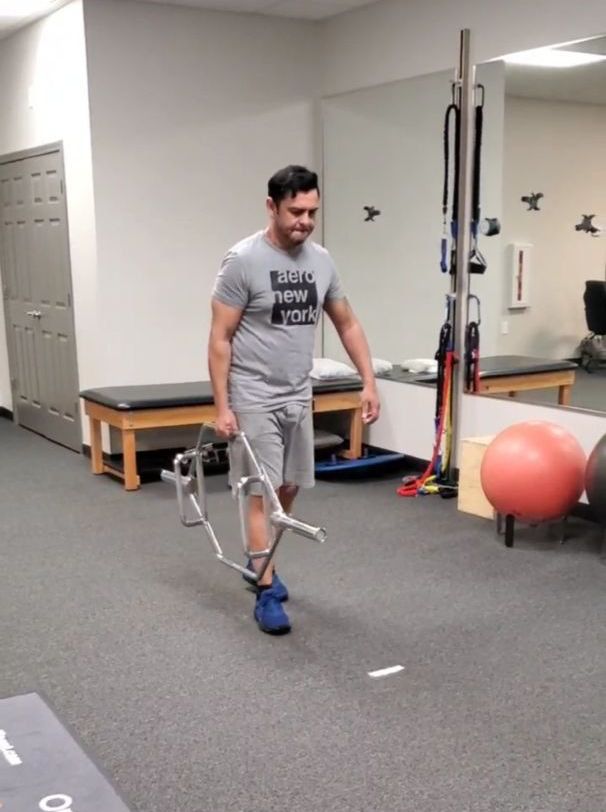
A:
{"x": 36, "y": 314}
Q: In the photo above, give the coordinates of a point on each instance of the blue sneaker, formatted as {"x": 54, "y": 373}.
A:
{"x": 270, "y": 614}
{"x": 278, "y": 586}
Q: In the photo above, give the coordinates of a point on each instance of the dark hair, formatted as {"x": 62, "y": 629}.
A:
{"x": 291, "y": 180}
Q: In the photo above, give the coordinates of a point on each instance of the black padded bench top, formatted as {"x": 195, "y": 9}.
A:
{"x": 194, "y": 393}
{"x": 500, "y": 366}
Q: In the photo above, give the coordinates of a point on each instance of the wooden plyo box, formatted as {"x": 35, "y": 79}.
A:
{"x": 471, "y": 497}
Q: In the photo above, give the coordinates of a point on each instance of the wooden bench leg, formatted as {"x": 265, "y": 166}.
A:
{"x": 96, "y": 448}
{"x": 564, "y": 393}
{"x": 354, "y": 452}
{"x": 131, "y": 478}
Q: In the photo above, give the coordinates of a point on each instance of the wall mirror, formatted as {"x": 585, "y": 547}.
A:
{"x": 552, "y": 301}
{"x": 543, "y": 176}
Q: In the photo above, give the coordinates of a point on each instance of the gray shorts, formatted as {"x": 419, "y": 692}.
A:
{"x": 283, "y": 441}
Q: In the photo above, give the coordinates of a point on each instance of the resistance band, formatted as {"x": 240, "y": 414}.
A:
{"x": 472, "y": 350}
{"x": 451, "y": 119}
{"x": 434, "y": 478}
{"x": 477, "y": 263}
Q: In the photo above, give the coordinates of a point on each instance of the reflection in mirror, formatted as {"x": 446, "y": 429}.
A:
{"x": 552, "y": 301}
{"x": 382, "y": 204}
{"x": 543, "y": 177}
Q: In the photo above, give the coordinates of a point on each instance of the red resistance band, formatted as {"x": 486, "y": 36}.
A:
{"x": 412, "y": 488}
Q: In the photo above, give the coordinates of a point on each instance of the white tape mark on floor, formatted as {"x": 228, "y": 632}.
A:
{"x": 386, "y": 672}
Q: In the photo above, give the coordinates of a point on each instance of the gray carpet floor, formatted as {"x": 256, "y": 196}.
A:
{"x": 146, "y": 648}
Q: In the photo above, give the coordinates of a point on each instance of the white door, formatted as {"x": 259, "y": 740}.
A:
{"x": 36, "y": 285}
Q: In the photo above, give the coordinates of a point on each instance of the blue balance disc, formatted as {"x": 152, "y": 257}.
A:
{"x": 371, "y": 462}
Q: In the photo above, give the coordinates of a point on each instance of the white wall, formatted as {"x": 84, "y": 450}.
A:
{"x": 395, "y": 39}
{"x": 406, "y": 424}
{"x": 49, "y": 56}
{"x": 556, "y": 148}
{"x": 484, "y": 416}
{"x": 191, "y": 112}
{"x": 383, "y": 146}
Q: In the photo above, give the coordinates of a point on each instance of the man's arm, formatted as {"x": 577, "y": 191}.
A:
{"x": 225, "y": 320}
{"x": 354, "y": 340}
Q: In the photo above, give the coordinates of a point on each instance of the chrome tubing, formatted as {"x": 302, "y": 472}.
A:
{"x": 188, "y": 477}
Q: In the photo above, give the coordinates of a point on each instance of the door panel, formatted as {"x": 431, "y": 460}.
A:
{"x": 34, "y": 258}
{"x": 27, "y": 398}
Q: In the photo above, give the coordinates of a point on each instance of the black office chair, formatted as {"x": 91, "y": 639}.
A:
{"x": 593, "y": 346}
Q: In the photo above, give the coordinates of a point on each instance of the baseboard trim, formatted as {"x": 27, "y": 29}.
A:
{"x": 6, "y": 413}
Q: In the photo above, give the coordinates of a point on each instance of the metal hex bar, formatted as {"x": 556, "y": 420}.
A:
{"x": 192, "y": 503}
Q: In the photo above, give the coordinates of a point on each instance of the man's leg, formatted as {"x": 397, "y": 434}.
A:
{"x": 287, "y": 453}
{"x": 258, "y": 536}
{"x": 269, "y": 611}
{"x": 299, "y": 462}
{"x": 287, "y": 495}
{"x": 265, "y": 434}
{"x": 257, "y": 527}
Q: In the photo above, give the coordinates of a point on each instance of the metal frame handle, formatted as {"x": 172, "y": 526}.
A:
{"x": 188, "y": 477}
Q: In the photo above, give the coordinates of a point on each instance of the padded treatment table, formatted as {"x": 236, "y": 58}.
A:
{"x": 516, "y": 373}
{"x": 134, "y": 408}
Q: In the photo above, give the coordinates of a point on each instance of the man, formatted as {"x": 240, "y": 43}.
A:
{"x": 265, "y": 307}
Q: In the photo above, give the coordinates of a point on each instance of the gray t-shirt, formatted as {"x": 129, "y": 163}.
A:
{"x": 281, "y": 294}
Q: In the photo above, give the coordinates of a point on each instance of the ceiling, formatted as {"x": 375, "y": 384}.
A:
{"x": 585, "y": 84}
{"x": 40, "y": 8}
{"x": 296, "y": 9}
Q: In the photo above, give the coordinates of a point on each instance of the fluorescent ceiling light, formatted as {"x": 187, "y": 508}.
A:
{"x": 24, "y": 8}
{"x": 552, "y": 58}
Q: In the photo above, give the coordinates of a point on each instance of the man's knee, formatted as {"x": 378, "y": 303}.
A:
{"x": 286, "y": 495}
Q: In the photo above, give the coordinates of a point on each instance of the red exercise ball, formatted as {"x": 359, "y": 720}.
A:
{"x": 534, "y": 471}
